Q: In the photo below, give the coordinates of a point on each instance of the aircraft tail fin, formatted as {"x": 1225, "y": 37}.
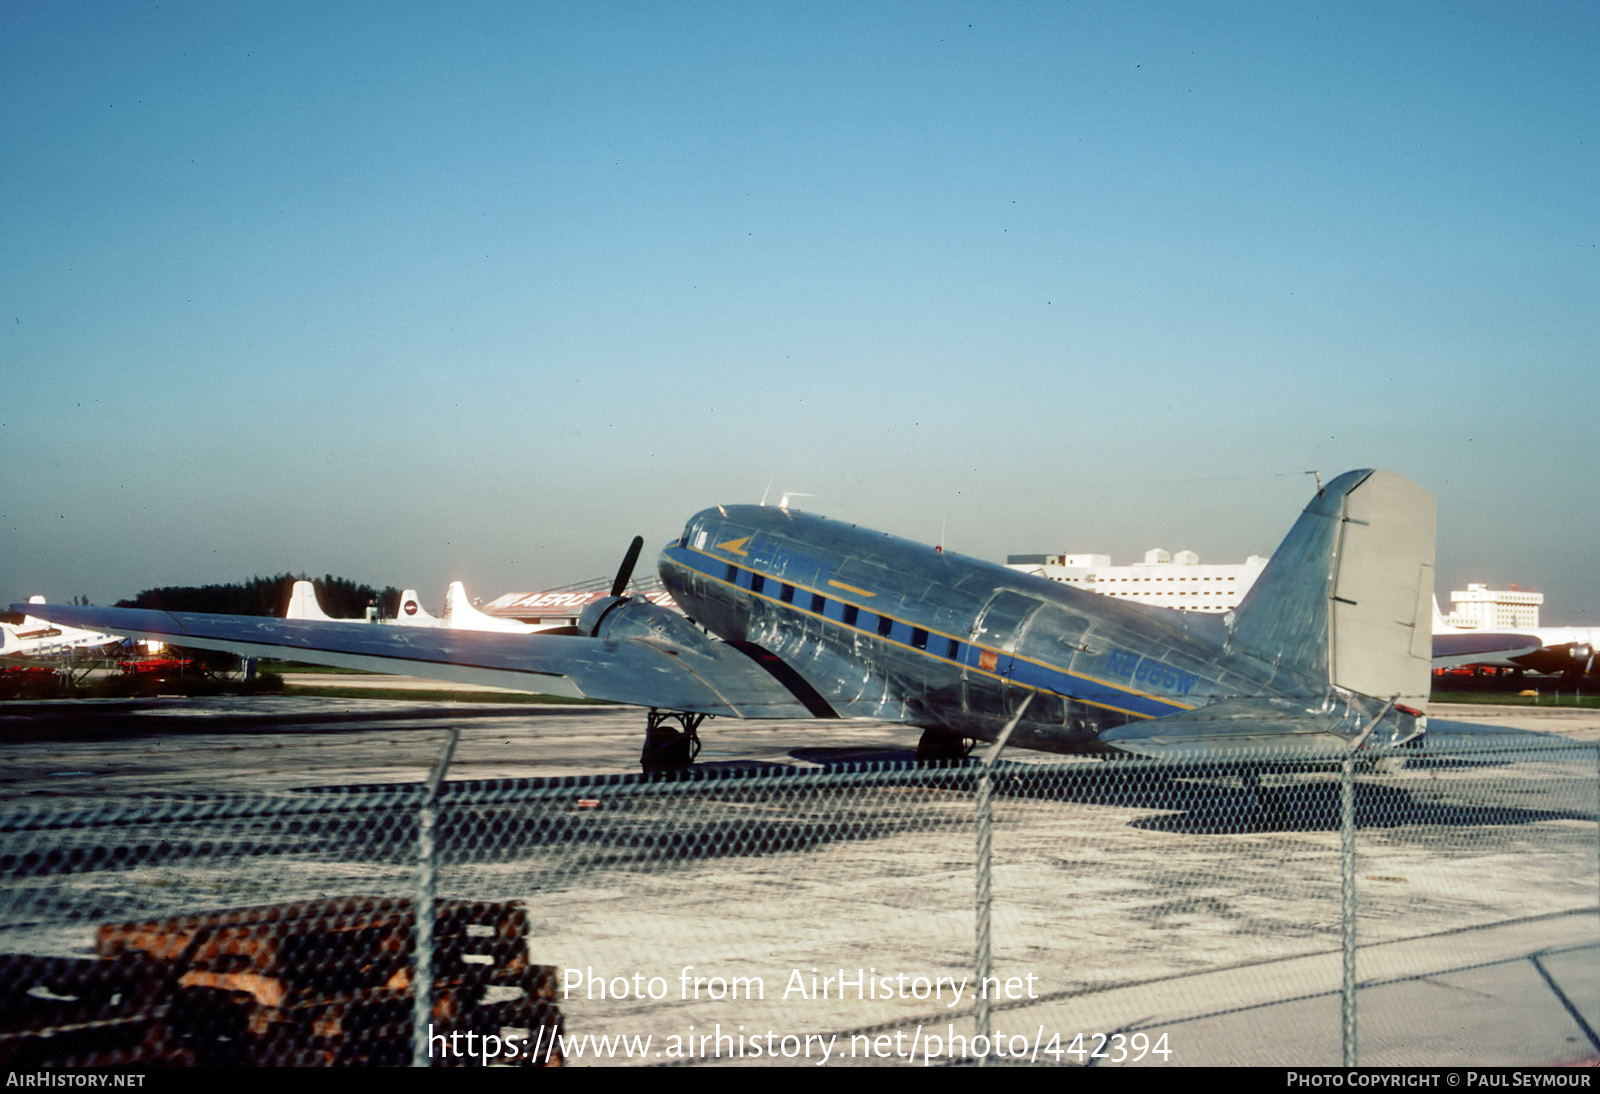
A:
{"x": 32, "y": 624}
{"x": 460, "y": 613}
{"x": 1344, "y": 601}
{"x": 412, "y": 613}
{"x": 303, "y": 604}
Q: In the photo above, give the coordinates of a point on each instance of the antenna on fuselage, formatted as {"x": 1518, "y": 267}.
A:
{"x": 783, "y": 502}
{"x": 765, "y": 492}
{"x": 1318, "y": 477}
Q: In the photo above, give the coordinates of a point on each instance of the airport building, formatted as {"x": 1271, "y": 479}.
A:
{"x": 1164, "y": 579}
{"x": 1480, "y": 608}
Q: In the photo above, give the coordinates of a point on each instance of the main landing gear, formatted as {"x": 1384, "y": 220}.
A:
{"x": 939, "y": 746}
{"x": 668, "y": 748}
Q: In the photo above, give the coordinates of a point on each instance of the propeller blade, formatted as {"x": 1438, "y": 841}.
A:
{"x": 625, "y": 571}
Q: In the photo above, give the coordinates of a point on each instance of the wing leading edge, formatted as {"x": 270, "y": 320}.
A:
{"x": 715, "y": 679}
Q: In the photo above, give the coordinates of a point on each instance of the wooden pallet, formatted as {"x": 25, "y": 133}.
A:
{"x": 325, "y": 982}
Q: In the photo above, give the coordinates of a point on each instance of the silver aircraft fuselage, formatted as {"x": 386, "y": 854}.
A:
{"x": 881, "y": 627}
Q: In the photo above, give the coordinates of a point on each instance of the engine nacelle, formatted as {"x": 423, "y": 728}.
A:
{"x": 626, "y": 617}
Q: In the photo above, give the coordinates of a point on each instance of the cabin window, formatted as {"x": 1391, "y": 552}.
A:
{"x": 757, "y": 583}
{"x": 733, "y": 574}
{"x": 786, "y": 594}
{"x": 819, "y": 603}
{"x": 850, "y": 614}
{"x": 954, "y": 650}
{"x": 919, "y": 638}
{"x": 885, "y": 625}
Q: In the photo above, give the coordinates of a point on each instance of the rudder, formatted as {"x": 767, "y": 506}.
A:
{"x": 1346, "y": 600}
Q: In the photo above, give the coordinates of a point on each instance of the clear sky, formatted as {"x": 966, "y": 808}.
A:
{"x": 419, "y": 292}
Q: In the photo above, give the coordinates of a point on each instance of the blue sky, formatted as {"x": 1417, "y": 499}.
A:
{"x": 419, "y": 292}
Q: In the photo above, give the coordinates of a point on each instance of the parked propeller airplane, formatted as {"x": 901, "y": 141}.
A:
{"x": 792, "y": 615}
{"x": 459, "y": 612}
{"x": 37, "y": 636}
{"x": 1568, "y": 651}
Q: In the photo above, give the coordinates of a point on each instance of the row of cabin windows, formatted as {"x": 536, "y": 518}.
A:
{"x": 849, "y": 614}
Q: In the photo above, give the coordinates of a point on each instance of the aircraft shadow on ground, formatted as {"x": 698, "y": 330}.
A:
{"x": 701, "y": 818}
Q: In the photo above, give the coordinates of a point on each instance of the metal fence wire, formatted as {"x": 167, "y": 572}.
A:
{"x": 1260, "y": 910}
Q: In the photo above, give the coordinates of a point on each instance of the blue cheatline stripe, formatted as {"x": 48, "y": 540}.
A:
{"x": 1028, "y": 673}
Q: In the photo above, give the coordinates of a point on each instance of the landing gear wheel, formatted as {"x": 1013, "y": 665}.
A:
{"x": 669, "y": 749}
{"x": 939, "y": 747}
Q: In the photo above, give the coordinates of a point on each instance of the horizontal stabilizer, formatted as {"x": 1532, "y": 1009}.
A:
{"x": 1254, "y": 727}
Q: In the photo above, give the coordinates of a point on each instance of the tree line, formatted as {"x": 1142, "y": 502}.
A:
{"x": 339, "y": 596}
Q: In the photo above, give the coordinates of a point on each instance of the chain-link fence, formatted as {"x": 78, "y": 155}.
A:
{"x": 1102, "y": 911}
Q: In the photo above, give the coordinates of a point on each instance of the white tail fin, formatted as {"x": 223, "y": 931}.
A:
{"x": 412, "y": 613}
{"x": 303, "y": 604}
{"x": 31, "y": 625}
{"x": 461, "y": 615}
{"x": 1441, "y": 625}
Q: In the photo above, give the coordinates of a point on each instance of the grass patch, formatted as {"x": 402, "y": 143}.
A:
{"x": 1547, "y": 697}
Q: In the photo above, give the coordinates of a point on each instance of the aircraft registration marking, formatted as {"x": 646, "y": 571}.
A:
{"x": 1151, "y": 672}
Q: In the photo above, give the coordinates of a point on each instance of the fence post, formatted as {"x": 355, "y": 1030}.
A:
{"x": 982, "y": 958}
{"x": 1347, "y": 894}
{"x": 427, "y": 867}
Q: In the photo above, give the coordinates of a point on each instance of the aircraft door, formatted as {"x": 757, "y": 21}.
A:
{"x": 990, "y": 660}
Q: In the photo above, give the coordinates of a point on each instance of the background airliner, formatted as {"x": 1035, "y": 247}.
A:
{"x": 35, "y": 636}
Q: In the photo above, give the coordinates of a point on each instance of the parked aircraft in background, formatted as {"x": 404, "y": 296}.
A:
{"x": 36, "y": 636}
{"x": 459, "y": 613}
{"x": 1569, "y": 651}
{"x": 411, "y": 613}
{"x": 793, "y": 615}
{"x": 303, "y": 604}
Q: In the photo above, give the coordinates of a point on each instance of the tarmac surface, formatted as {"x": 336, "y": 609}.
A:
{"x": 1200, "y": 929}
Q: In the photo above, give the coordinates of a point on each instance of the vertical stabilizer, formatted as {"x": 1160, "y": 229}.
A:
{"x": 303, "y": 604}
{"x": 1346, "y": 599}
{"x": 411, "y": 612}
{"x": 460, "y": 614}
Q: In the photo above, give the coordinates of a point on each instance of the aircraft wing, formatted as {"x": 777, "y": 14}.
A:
{"x": 1477, "y": 647}
{"x": 717, "y": 679}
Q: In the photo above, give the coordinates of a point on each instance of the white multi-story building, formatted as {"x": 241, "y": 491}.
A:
{"x": 1167, "y": 580}
{"x": 1480, "y": 608}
